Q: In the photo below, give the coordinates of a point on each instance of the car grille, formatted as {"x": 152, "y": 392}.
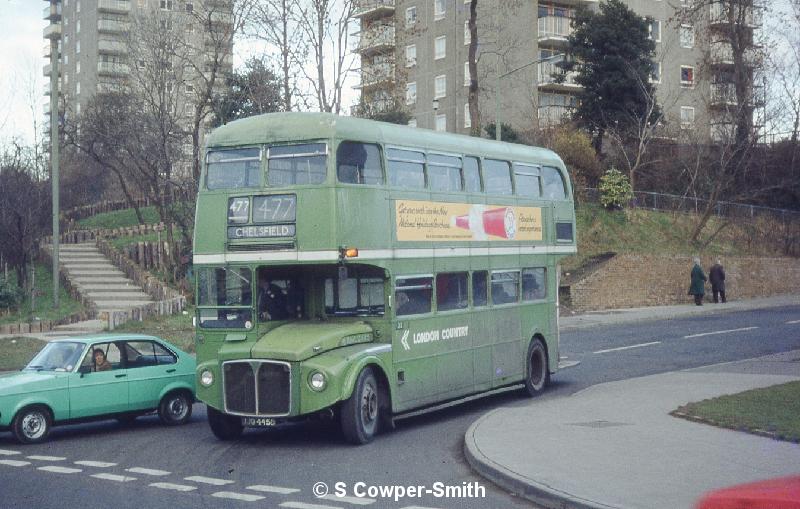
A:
{"x": 257, "y": 387}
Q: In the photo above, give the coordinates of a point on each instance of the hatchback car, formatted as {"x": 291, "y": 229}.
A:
{"x": 91, "y": 378}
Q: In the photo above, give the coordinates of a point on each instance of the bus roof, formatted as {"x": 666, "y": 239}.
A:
{"x": 296, "y": 126}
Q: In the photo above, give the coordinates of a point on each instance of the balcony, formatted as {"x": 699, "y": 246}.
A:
{"x": 550, "y": 116}
{"x": 376, "y": 74}
{"x": 375, "y": 39}
{"x": 46, "y": 51}
{"x": 554, "y": 30}
{"x": 48, "y": 68}
{"x": 720, "y": 15}
{"x": 374, "y": 9}
{"x": 111, "y": 46}
{"x": 548, "y": 82}
{"x": 111, "y": 26}
{"x": 52, "y": 31}
{"x": 721, "y": 54}
{"x": 112, "y": 69}
{"x": 116, "y": 6}
{"x": 52, "y": 12}
{"x": 723, "y": 95}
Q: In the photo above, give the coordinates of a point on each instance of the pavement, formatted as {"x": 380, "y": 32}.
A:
{"x": 614, "y": 445}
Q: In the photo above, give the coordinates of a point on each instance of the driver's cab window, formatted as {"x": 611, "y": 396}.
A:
{"x": 281, "y": 295}
{"x": 102, "y": 357}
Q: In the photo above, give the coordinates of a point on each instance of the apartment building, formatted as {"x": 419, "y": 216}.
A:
{"x": 93, "y": 50}
{"x": 415, "y": 53}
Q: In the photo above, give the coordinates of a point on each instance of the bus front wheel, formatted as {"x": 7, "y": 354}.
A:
{"x": 360, "y": 412}
{"x": 224, "y": 427}
{"x": 536, "y": 372}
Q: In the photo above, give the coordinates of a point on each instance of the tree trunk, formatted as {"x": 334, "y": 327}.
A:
{"x": 474, "y": 110}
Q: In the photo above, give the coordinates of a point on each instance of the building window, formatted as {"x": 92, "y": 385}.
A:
{"x": 78, "y": 27}
{"x": 687, "y": 76}
{"x": 467, "y": 33}
{"x": 440, "y": 47}
{"x": 440, "y": 87}
{"x": 411, "y": 55}
{"x": 78, "y": 46}
{"x": 687, "y": 117}
{"x": 687, "y": 36}
{"x": 467, "y": 118}
{"x": 78, "y": 67}
{"x": 441, "y": 122}
{"x": 412, "y": 122}
{"x": 66, "y": 59}
{"x": 189, "y": 88}
{"x": 78, "y": 6}
{"x": 189, "y": 7}
{"x": 655, "y": 73}
{"x": 411, "y": 16}
{"x": 411, "y": 93}
{"x": 466, "y": 74}
{"x": 654, "y": 28}
{"x": 438, "y": 9}
{"x": 166, "y": 5}
{"x": 78, "y": 88}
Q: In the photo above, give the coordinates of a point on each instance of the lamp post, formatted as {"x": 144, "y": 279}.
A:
{"x": 558, "y": 57}
{"x": 55, "y": 36}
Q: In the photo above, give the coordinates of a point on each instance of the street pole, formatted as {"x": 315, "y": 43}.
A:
{"x": 54, "y": 162}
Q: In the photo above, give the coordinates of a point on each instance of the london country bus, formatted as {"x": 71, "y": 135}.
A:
{"x": 364, "y": 270}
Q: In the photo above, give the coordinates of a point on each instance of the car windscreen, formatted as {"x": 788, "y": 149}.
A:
{"x": 57, "y": 356}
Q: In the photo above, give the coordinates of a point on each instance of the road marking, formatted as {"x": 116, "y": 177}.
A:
{"x": 173, "y": 487}
{"x": 208, "y": 480}
{"x": 272, "y": 489}
{"x": 15, "y": 463}
{"x": 96, "y": 464}
{"x": 718, "y": 332}
{"x": 60, "y": 470}
{"x": 792, "y": 322}
{"x": 46, "y": 458}
{"x": 640, "y": 345}
{"x": 114, "y": 477}
{"x": 147, "y": 471}
{"x": 6, "y": 452}
{"x": 302, "y": 505}
{"x": 349, "y": 500}
{"x": 237, "y": 496}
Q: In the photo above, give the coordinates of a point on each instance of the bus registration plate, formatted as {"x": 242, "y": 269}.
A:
{"x": 258, "y": 422}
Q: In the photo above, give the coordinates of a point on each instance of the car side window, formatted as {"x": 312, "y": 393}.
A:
{"x": 163, "y": 355}
{"x": 140, "y": 354}
{"x": 102, "y": 357}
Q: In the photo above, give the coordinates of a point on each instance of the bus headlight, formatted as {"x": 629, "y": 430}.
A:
{"x": 317, "y": 381}
{"x": 206, "y": 378}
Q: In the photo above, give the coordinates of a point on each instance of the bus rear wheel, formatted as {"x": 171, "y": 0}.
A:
{"x": 360, "y": 413}
{"x": 224, "y": 427}
{"x": 536, "y": 371}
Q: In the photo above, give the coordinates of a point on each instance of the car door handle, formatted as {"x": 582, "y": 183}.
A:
{"x": 171, "y": 370}
{"x": 120, "y": 376}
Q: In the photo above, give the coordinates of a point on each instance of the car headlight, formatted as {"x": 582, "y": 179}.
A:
{"x": 206, "y": 378}
{"x": 317, "y": 381}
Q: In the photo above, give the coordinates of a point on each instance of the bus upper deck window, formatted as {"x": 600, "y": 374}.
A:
{"x": 291, "y": 165}
{"x": 552, "y": 184}
{"x": 444, "y": 172}
{"x": 472, "y": 177}
{"x": 497, "y": 177}
{"x": 527, "y": 180}
{"x": 233, "y": 169}
{"x": 406, "y": 168}
{"x": 359, "y": 163}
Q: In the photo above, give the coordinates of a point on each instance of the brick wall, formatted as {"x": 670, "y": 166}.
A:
{"x": 646, "y": 280}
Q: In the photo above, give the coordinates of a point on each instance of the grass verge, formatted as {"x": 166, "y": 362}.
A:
{"x": 15, "y": 353}
{"x": 119, "y": 218}
{"x": 177, "y": 329}
{"x": 42, "y": 306}
{"x": 771, "y": 411}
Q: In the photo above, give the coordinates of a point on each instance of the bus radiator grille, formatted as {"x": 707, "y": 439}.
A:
{"x": 240, "y": 388}
{"x": 274, "y": 389}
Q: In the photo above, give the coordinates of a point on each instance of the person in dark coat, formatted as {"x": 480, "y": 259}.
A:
{"x": 697, "y": 287}
{"x": 716, "y": 275}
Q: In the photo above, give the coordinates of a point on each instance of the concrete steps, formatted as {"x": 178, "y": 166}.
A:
{"x": 99, "y": 280}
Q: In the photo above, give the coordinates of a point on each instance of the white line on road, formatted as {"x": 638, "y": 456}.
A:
{"x": 60, "y": 470}
{"x": 208, "y": 480}
{"x": 15, "y": 463}
{"x": 273, "y": 489}
{"x": 237, "y": 496}
{"x": 147, "y": 471}
{"x": 114, "y": 477}
{"x": 640, "y": 345}
{"x": 6, "y": 452}
{"x": 96, "y": 464}
{"x": 302, "y": 505}
{"x": 718, "y": 332}
{"x": 349, "y": 500}
{"x": 792, "y": 322}
{"x": 46, "y": 458}
{"x": 173, "y": 487}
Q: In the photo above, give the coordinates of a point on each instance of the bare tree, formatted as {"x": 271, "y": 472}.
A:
{"x": 472, "y": 59}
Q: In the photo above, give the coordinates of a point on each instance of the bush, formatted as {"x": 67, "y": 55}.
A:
{"x": 615, "y": 190}
{"x": 10, "y": 294}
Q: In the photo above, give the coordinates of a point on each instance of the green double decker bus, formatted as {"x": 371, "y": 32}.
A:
{"x": 360, "y": 270}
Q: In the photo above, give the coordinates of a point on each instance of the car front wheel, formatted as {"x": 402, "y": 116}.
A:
{"x": 32, "y": 425}
{"x": 175, "y": 408}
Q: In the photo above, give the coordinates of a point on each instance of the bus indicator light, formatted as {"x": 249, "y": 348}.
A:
{"x": 351, "y": 252}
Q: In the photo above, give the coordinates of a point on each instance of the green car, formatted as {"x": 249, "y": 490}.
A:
{"x": 99, "y": 377}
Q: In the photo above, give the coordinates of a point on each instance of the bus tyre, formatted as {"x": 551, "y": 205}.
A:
{"x": 32, "y": 425}
{"x": 536, "y": 371}
{"x": 175, "y": 408}
{"x": 360, "y": 412}
{"x": 224, "y": 427}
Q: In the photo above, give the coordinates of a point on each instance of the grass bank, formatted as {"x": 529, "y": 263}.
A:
{"x": 41, "y": 307}
{"x": 119, "y": 218}
{"x": 177, "y": 329}
{"x": 15, "y": 353}
{"x": 771, "y": 411}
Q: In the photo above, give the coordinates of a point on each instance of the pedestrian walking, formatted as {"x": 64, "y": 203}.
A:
{"x": 716, "y": 275}
{"x": 697, "y": 287}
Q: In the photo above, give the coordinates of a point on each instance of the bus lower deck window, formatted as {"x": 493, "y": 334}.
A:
{"x": 534, "y": 284}
{"x": 505, "y": 287}
{"x": 413, "y": 295}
